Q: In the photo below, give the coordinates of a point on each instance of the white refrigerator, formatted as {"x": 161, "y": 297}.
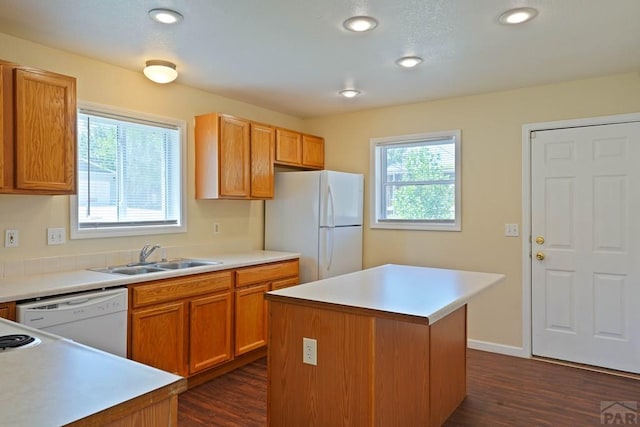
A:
{"x": 319, "y": 215}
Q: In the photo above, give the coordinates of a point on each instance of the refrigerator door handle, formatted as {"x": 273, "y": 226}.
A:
{"x": 332, "y": 223}
{"x": 330, "y": 247}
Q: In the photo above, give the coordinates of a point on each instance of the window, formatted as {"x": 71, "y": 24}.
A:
{"x": 416, "y": 181}
{"x": 130, "y": 174}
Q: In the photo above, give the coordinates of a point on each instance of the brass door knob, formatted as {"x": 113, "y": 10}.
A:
{"x": 540, "y": 240}
{"x": 540, "y": 256}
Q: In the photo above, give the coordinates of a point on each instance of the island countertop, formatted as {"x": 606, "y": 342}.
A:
{"x": 418, "y": 294}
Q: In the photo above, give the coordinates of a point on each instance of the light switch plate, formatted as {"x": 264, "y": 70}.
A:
{"x": 56, "y": 236}
{"x": 511, "y": 230}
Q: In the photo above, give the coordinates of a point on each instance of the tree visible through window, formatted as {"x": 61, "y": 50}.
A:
{"x": 129, "y": 173}
{"x": 416, "y": 181}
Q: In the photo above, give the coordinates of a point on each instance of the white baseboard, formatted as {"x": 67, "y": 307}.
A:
{"x": 497, "y": 348}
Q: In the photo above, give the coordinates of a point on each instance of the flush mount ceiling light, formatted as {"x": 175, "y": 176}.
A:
{"x": 517, "y": 16}
{"x": 360, "y": 23}
{"x": 409, "y": 61}
{"x": 160, "y": 71}
{"x": 349, "y": 93}
{"x": 165, "y": 16}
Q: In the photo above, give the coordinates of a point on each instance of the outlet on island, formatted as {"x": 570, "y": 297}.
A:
{"x": 309, "y": 351}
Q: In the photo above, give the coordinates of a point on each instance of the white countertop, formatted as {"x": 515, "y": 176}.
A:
{"x": 420, "y": 293}
{"x": 42, "y": 285}
{"x": 59, "y": 381}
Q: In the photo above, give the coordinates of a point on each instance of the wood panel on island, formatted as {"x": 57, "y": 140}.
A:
{"x": 38, "y": 129}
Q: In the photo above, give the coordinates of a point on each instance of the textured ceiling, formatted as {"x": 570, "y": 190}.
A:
{"x": 294, "y": 56}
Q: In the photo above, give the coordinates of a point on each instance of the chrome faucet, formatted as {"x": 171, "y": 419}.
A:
{"x": 146, "y": 251}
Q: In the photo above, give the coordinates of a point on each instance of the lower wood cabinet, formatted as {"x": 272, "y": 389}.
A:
{"x": 8, "y": 310}
{"x": 189, "y": 324}
{"x": 209, "y": 331}
{"x": 251, "y": 318}
{"x": 251, "y": 308}
{"x": 159, "y": 337}
{"x": 182, "y": 325}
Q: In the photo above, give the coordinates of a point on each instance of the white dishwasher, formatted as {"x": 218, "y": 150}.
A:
{"x": 97, "y": 319}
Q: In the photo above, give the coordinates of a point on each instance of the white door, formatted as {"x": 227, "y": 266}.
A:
{"x": 585, "y": 199}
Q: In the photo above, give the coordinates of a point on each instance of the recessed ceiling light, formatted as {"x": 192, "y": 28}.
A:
{"x": 160, "y": 71}
{"x": 518, "y": 15}
{"x": 349, "y": 93}
{"x": 165, "y": 16}
{"x": 360, "y": 23}
{"x": 409, "y": 61}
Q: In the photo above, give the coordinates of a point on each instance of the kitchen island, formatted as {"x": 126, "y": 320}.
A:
{"x": 391, "y": 347}
{"x": 59, "y": 382}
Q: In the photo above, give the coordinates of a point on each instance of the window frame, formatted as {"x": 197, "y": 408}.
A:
{"x": 376, "y": 187}
{"x": 132, "y": 230}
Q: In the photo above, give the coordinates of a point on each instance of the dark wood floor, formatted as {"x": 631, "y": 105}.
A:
{"x": 501, "y": 391}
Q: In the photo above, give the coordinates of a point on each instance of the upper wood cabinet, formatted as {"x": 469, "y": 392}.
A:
{"x": 38, "y": 128}
{"x": 288, "y": 147}
{"x": 300, "y": 150}
{"x": 313, "y": 151}
{"x": 234, "y": 158}
{"x": 263, "y": 140}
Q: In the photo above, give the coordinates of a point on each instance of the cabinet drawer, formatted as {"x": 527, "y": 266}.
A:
{"x": 266, "y": 273}
{"x": 180, "y": 287}
{"x": 284, "y": 283}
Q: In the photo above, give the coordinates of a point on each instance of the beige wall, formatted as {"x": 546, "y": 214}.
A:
{"x": 241, "y": 222}
{"x": 491, "y": 127}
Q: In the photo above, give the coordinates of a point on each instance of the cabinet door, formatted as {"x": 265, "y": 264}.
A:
{"x": 262, "y": 158}
{"x": 235, "y": 168}
{"x": 8, "y": 310}
{"x": 6, "y": 125}
{"x": 45, "y": 138}
{"x": 209, "y": 331}
{"x": 313, "y": 151}
{"x": 251, "y": 318}
{"x": 288, "y": 147}
{"x": 158, "y": 337}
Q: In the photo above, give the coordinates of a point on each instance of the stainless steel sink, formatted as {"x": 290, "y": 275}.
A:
{"x": 180, "y": 264}
{"x": 134, "y": 270}
{"x": 171, "y": 265}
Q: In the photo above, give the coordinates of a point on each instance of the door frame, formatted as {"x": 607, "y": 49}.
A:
{"x": 527, "y": 312}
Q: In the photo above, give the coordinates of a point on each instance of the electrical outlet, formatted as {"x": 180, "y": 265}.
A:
{"x": 309, "y": 351}
{"x": 511, "y": 230}
{"x": 56, "y": 236}
{"x": 10, "y": 238}
{"x": 216, "y": 228}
